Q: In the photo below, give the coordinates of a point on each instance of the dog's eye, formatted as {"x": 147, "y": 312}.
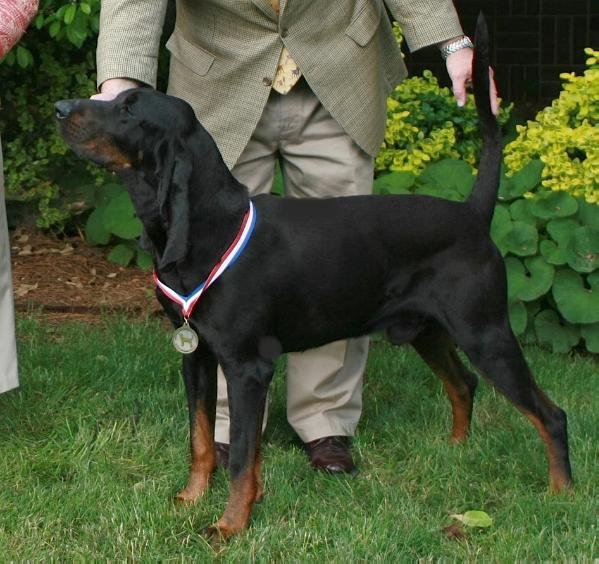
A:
{"x": 126, "y": 110}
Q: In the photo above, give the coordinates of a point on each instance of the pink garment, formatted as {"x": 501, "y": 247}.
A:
{"x": 15, "y": 16}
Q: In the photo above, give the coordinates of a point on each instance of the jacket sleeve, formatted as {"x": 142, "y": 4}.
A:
{"x": 129, "y": 39}
{"x": 425, "y": 22}
{"x": 15, "y": 16}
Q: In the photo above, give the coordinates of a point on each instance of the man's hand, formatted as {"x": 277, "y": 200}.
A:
{"x": 112, "y": 87}
{"x": 459, "y": 67}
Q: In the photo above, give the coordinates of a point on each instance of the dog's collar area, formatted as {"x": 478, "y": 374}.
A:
{"x": 188, "y": 303}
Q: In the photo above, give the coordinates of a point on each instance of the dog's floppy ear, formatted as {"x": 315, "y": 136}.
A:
{"x": 173, "y": 169}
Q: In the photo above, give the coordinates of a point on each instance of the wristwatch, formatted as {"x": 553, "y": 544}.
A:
{"x": 457, "y": 45}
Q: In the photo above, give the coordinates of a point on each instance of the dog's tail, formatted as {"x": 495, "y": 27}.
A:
{"x": 484, "y": 193}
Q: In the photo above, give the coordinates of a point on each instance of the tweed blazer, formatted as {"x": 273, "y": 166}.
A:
{"x": 224, "y": 54}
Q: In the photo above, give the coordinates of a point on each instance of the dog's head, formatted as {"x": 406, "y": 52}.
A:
{"x": 146, "y": 135}
{"x": 121, "y": 133}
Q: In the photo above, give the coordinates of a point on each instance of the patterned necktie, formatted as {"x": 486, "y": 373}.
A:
{"x": 287, "y": 73}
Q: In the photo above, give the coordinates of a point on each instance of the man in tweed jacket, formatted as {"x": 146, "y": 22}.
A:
{"x": 226, "y": 56}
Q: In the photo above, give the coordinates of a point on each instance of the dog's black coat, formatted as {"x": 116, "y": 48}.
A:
{"x": 423, "y": 269}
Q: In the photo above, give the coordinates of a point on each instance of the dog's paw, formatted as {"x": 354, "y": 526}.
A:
{"x": 187, "y": 497}
{"x": 217, "y": 534}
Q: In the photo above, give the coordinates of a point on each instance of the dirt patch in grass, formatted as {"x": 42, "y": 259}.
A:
{"x": 66, "y": 279}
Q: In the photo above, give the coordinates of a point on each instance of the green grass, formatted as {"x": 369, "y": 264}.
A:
{"x": 93, "y": 447}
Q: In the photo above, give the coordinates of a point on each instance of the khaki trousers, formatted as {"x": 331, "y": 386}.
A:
{"x": 8, "y": 348}
{"x": 317, "y": 159}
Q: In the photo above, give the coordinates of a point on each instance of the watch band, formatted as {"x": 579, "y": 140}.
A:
{"x": 457, "y": 45}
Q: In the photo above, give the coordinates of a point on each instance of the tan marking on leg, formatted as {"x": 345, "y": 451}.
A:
{"x": 241, "y": 499}
{"x": 442, "y": 362}
{"x": 460, "y": 408}
{"x": 558, "y": 479}
{"x": 203, "y": 459}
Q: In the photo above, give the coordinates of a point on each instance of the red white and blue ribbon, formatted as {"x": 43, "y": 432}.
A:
{"x": 188, "y": 303}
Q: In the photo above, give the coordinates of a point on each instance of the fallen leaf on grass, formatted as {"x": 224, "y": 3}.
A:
{"x": 474, "y": 519}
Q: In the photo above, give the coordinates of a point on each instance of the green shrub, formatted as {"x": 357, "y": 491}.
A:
{"x": 565, "y": 137}
{"x": 551, "y": 248}
{"x": 424, "y": 125}
{"x": 55, "y": 60}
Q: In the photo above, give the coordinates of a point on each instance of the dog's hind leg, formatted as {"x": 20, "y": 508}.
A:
{"x": 494, "y": 350}
{"x": 247, "y": 386}
{"x": 438, "y": 351}
{"x": 199, "y": 372}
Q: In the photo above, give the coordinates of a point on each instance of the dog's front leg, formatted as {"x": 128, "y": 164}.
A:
{"x": 199, "y": 373}
{"x": 247, "y": 385}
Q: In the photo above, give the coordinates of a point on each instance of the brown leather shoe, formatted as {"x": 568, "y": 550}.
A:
{"x": 222, "y": 455}
{"x": 332, "y": 455}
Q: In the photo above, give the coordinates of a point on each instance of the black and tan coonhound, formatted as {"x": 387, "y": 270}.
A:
{"x": 313, "y": 271}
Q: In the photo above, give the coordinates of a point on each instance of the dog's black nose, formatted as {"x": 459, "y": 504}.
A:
{"x": 63, "y": 109}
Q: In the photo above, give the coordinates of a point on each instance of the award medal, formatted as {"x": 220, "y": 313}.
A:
{"x": 185, "y": 339}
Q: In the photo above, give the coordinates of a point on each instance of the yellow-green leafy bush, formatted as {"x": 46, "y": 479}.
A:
{"x": 424, "y": 125}
{"x": 565, "y": 136}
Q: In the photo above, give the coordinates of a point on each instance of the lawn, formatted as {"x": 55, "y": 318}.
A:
{"x": 94, "y": 446}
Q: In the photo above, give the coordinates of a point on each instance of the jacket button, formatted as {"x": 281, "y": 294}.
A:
{"x": 267, "y": 81}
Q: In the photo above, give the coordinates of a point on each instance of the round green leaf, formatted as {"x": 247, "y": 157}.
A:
{"x": 500, "y": 227}
{"x": 590, "y": 334}
{"x": 507, "y": 190}
{"x": 575, "y": 301}
{"x": 144, "y": 260}
{"x": 454, "y": 174}
{"x": 554, "y": 204}
{"x": 539, "y": 279}
{"x": 518, "y": 317}
{"x": 107, "y": 192}
{"x": 583, "y": 250}
{"x": 530, "y": 280}
{"x": 95, "y": 232}
{"x": 118, "y": 211}
{"x": 121, "y": 255}
{"x": 129, "y": 229}
{"x": 529, "y": 337}
{"x": 520, "y": 211}
{"x": 394, "y": 183}
{"x": 516, "y": 275}
{"x": 528, "y": 178}
{"x": 522, "y": 240}
{"x": 560, "y": 336}
{"x": 561, "y": 231}
{"x": 589, "y": 214}
{"x": 552, "y": 253}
